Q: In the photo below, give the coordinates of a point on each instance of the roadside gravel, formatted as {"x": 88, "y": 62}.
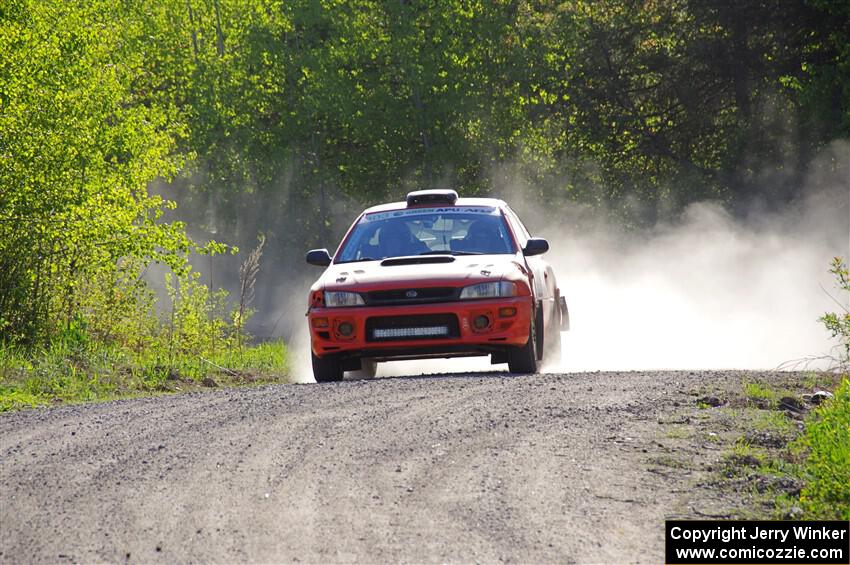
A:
{"x": 481, "y": 467}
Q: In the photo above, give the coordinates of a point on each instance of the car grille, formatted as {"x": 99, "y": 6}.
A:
{"x": 403, "y": 328}
{"x": 411, "y": 296}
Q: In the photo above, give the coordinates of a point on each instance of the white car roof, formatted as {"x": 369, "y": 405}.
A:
{"x": 494, "y": 202}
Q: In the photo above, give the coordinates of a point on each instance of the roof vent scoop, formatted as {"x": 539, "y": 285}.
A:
{"x": 421, "y": 197}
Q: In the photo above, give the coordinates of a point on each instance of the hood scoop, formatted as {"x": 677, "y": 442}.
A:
{"x": 417, "y": 260}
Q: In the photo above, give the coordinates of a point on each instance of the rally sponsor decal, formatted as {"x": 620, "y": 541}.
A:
{"x": 480, "y": 210}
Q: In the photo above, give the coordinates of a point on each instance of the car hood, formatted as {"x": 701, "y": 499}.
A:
{"x": 430, "y": 270}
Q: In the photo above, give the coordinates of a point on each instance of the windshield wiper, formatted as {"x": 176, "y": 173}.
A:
{"x": 357, "y": 260}
{"x": 451, "y": 253}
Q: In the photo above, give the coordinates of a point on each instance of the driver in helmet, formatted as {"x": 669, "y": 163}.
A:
{"x": 396, "y": 240}
{"x": 482, "y": 237}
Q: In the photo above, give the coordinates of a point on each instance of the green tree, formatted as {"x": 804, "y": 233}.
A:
{"x": 77, "y": 153}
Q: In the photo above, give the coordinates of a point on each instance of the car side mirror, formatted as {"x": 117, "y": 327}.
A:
{"x": 319, "y": 257}
{"x": 535, "y": 246}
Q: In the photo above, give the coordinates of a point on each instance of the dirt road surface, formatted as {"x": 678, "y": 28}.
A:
{"x": 461, "y": 468}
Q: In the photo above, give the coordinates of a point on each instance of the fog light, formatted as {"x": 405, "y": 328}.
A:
{"x": 320, "y": 322}
{"x": 345, "y": 329}
{"x": 481, "y": 322}
{"x": 507, "y": 312}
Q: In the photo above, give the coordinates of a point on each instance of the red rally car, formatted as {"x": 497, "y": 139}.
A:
{"x": 436, "y": 276}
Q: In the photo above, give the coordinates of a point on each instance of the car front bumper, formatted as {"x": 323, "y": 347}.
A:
{"x": 408, "y": 331}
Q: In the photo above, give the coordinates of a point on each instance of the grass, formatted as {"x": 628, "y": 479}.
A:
{"x": 742, "y": 458}
{"x": 670, "y": 461}
{"x": 781, "y": 455}
{"x": 72, "y": 372}
{"x": 815, "y": 380}
{"x": 759, "y": 391}
{"x": 762, "y": 395}
{"x": 679, "y": 432}
{"x": 825, "y": 444}
{"x": 799, "y": 469}
{"x": 265, "y": 358}
{"x": 772, "y": 421}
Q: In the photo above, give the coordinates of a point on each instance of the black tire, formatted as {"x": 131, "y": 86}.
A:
{"x": 540, "y": 329}
{"x": 552, "y": 344}
{"x": 326, "y": 369}
{"x": 523, "y": 359}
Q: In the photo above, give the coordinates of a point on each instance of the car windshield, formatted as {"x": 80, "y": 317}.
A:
{"x": 457, "y": 230}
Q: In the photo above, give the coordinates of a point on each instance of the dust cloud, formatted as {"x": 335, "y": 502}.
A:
{"x": 711, "y": 291}
{"x": 707, "y": 293}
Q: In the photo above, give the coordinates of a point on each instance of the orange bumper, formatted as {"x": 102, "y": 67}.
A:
{"x": 409, "y": 331}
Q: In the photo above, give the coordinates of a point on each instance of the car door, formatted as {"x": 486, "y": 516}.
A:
{"x": 543, "y": 276}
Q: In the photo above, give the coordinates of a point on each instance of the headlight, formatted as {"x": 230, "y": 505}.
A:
{"x": 488, "y": 290}
{"x": 337, "y": 299}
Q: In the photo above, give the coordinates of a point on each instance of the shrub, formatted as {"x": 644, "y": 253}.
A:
{"x": 838, "y": 323}
{"x": 826, "y": 470}
{"x": 113, "y": 342}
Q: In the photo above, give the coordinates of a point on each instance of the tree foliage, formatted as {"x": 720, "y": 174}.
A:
{"x": 77, "y": 151}
{"x": 627, "y": 105}
{"x": 281, "y": 113}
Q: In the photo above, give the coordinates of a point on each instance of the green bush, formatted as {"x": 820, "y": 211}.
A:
{"x": 826, "y": 443}
{"x": 197, "y": 322}
{"x": 838, "y": 323}
{"x": 116, "y": 344}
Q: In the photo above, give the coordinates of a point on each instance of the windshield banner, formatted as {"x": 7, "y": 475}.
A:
{"x": 481, "y": 210}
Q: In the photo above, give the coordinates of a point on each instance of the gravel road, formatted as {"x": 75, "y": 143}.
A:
{"x": 460, "y": 468}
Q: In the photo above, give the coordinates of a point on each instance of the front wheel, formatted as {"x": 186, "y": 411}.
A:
{"x": 326, "y": 369}
{"x": 552, "y": 345}
{"x": 523, "y": 359}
